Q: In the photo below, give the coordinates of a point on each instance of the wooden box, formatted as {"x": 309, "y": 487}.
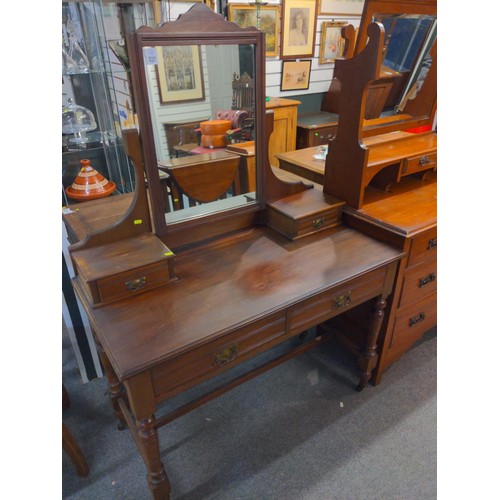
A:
{"x": 304, "y": 213}
{"x": 122, "y": 269}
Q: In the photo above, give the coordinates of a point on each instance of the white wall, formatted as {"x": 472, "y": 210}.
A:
{"x": 321, "y": 74}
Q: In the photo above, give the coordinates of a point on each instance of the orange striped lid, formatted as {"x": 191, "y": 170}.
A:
{"x": 89, "y": 184}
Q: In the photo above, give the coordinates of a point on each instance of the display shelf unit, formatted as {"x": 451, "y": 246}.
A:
{"x": 100, "y": 83}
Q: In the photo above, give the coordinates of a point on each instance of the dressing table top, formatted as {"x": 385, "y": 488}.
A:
{"x": 227, "y": 284}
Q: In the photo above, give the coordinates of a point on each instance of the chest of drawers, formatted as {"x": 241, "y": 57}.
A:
{"x": 406, "y": 218}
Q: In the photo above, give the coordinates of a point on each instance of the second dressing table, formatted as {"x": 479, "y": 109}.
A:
{"x": 233, "y": 285}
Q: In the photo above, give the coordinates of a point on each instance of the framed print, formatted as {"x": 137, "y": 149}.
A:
{"x": 180, "y": 75}
{"x": 298, "y": 28}
{"x": 331, "y": 45}
{"x": 245, "y": 15}
{"x": 343, "y": 7}
{"x": 295, "y": 75}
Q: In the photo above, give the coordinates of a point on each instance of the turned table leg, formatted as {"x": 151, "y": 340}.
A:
{"x": 368, "y": 358}
{"x": 158, "y": 482}
{"x": 115, "y": 388}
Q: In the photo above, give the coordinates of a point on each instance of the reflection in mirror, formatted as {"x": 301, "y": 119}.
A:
{"x": 202, "y": 107}
{"x": 406, "y": 51}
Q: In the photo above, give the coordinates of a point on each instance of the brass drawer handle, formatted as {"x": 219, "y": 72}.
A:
{"x": 317, "y": 223}
{"x": 432, "y": 243}
{"x": 423, "y": 161}
{"x": 341, "y": 300}
{"x": 225, "y": 356}
{"x": 137, "y": 284}
{"x": 428, "y": 279}
{"x": 416, "y": 319}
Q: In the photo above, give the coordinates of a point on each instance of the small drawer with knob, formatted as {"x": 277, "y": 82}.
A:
{"x": 304, "y": 213}
{"x": 419, "y": 163}
{"x": 123, "y": 269}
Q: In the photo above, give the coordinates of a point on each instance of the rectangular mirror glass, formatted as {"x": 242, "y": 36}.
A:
{"x": 202, "y": 108}
{"x": 406, "y": 56}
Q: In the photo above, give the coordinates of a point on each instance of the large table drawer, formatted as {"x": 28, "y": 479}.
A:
{"x": 423, "y": 246}
{"x": 419, "y": 281}
{"x": 187, "y": 370}
{"x": 328, "y": 304}
{"x": 412, "y": 322}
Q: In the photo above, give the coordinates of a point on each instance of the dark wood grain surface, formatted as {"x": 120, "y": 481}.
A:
{"x": 231, "y": 283}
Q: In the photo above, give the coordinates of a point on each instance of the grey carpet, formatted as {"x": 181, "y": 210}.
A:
{"x": 299, "y": 431}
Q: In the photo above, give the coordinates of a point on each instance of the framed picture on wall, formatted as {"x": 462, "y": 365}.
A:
{"x": 295, "y": 75}
{"x": 331, "y": 45}
{"x": 298, "y": 28}
{"x": 245, "y": 15}
{"x": 180, "y": 75}
{"x": 343, "y": 7}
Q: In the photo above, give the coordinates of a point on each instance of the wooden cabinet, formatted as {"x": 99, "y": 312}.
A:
{"x": 284, "y": 136}
{"x": 314, "y": 129}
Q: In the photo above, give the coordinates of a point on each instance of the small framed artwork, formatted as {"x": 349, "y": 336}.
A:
{"x": 342, "y": 7}
{"x": 295, "y": 75}
{"x": 180, "y": 75}
{"x": 331, "y": 45}
{"x": 245, "y": 15}
{"x": 298, "y": 28}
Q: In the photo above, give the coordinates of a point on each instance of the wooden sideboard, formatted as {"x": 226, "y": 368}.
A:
{"x": 284, "y": 137}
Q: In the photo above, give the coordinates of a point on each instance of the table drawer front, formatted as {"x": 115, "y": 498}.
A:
{"x": 412, "y": 322}
{"x": 187, "y": 370}
{"x": 419, "y": 281}
{"x": 328, "y": 304}
{"x": 419, "y": 163}
{"x": 133, "y": 282}
{"x": 423, "y": 247}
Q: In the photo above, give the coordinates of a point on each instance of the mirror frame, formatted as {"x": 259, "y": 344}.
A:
{"x": 422, "y": 109}
{"x": 198, "y": 26}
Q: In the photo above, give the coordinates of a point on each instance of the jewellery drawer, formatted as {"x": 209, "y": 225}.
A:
{"x": 187, "y": 370}
{"x": 304, "y": 213}
{"x": 412, "y": 322}
{"x": 419, "y": 163}
{"x": 423, "y": 246}
{"x": 130, "y": 283}
{"x": 123, "y": 268}
{"x": 328, "y": 304}
{"x": 419, "y": 281}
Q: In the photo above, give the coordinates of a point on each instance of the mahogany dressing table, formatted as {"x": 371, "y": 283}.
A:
{"x": 173, "y": 304}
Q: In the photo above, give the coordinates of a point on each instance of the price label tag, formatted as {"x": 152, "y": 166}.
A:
{"x": 150, "y": 56}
